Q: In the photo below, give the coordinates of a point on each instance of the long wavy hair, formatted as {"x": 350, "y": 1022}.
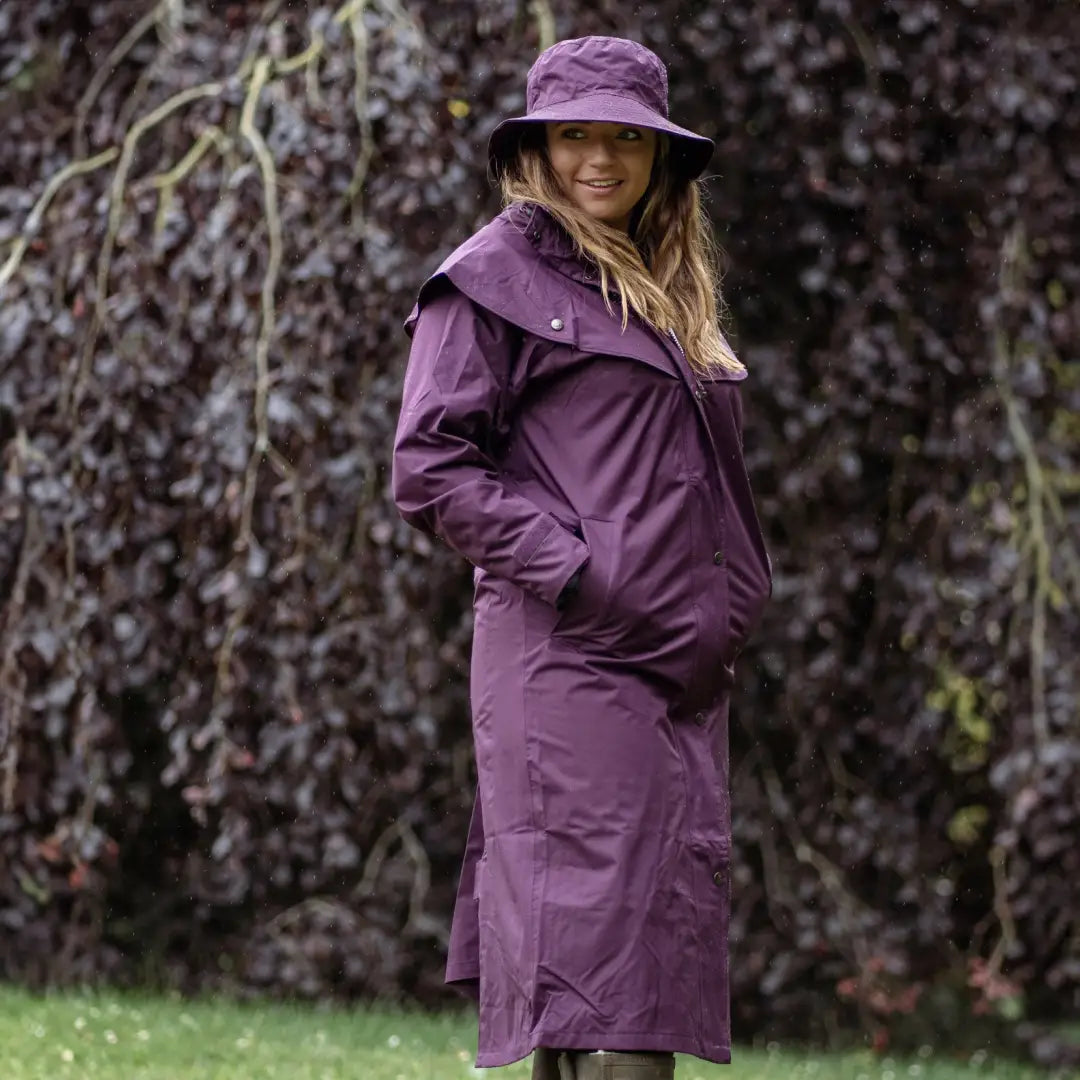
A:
{"x": 665, "y": 268}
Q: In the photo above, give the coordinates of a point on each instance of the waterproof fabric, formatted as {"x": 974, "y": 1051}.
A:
{"x": 605, "y": 79}
{"x": 594, "y": 896}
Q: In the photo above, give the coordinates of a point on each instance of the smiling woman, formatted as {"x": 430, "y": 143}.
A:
{"x": 602, "y": 168}
{"x": 597, "y": 487}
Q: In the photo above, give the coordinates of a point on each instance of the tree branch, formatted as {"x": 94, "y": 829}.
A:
{"x": 33, "y": 220}
{"x": 108, "y": 66}
{"x": 71, "y": 388}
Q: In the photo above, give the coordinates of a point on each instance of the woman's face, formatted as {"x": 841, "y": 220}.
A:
{"x": 603, "y": 168}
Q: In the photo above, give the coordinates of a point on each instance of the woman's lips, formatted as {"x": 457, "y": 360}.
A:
{"x": 606, "y": 189}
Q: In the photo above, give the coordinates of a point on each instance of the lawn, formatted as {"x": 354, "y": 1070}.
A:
{"x": 129, "y": 1037}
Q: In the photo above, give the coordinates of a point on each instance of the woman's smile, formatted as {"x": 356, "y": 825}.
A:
{"x": 601, "y": 185}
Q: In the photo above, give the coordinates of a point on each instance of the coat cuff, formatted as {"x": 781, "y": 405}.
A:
{"x": 549, "y": 556}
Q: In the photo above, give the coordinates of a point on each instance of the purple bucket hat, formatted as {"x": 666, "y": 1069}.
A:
{"x": 602, "y": 79}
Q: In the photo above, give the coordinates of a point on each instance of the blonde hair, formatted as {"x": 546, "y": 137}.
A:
{"x": 665, "y": 269}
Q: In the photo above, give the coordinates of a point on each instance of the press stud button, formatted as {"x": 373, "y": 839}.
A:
{"x": 699, "y": 718}
{"x": 719, "y": 877}
{"x": 556, "y": 324}
{"x": 718, "y": 558}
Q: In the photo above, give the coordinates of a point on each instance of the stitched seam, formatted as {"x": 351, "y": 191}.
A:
{"x": 604, "y": 91}
{"x": 608, "y": 1035}
{"x": 534, "y": 775}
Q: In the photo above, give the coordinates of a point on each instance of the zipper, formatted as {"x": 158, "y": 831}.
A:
{"x": 699, "y": 389}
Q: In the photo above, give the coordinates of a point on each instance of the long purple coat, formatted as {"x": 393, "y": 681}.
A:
{"x": 534, "y": 435}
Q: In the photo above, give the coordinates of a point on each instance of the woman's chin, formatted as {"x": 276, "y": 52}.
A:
{"x": 614, "y": 216}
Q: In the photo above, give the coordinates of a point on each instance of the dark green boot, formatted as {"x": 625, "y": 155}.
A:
{"x": 545, "y": 1064}
{"x": 606, "y": 1065}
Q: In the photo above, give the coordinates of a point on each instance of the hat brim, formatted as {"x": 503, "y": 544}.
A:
{"x": 690, "y": 152}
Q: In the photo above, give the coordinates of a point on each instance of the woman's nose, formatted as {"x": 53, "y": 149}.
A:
{"x": 601, "y": 150}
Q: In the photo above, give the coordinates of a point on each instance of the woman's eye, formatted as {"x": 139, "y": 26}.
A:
{"x": 627, "y": 134}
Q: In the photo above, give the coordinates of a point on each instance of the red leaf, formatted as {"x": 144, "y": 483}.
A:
{"x": 49, "y": 850}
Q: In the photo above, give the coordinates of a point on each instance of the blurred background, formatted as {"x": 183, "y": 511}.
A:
{"x": 235, "y": 751}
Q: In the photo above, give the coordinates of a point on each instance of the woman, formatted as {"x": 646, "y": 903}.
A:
{"x": 571, "y": 424}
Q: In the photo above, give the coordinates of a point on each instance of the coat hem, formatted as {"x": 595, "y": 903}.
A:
{"x": 630, "y": 1041}
{"x": 456, "y": 973}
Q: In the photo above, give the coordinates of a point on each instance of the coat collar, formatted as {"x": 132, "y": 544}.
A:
{"x": 552, "y": 242}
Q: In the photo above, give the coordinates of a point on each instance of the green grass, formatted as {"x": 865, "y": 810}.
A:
{"x": 128, "y": 1037}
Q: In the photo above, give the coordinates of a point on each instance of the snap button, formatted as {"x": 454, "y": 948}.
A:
{"x": 718, "y": 558}
{"x": 699, "y": 718}
{"x": 556, "y": 324}
{"x": 719, "y": 878}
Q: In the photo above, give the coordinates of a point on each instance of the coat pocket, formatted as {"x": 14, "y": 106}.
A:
{"x": 587, "y": 609}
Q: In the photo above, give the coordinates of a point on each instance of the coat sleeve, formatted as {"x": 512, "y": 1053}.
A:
{"x": 443, "y": 479}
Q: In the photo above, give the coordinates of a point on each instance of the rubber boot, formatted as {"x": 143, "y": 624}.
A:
{"x": 545, "y": 1065}
{"x": 609, "y": 1065}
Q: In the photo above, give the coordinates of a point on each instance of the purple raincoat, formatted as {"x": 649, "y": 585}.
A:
{"x": 536, "y": 437}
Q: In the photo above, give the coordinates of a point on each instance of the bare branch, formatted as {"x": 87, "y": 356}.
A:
{"x": 360, "y": 94}
{"x": 828, "y": 872}
{"x": 418, "y": 919}
{"x": 1002, "y": 909}
{"x": 866, "y": 53}
{"x": 1036, "y": 546}
{"x": 545, "y": 23}
{"x": 70, "y": 393}
{"x": 108, "y": 66}
{"x": 12, "y": 677}
{"x": 33, "y": 220}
